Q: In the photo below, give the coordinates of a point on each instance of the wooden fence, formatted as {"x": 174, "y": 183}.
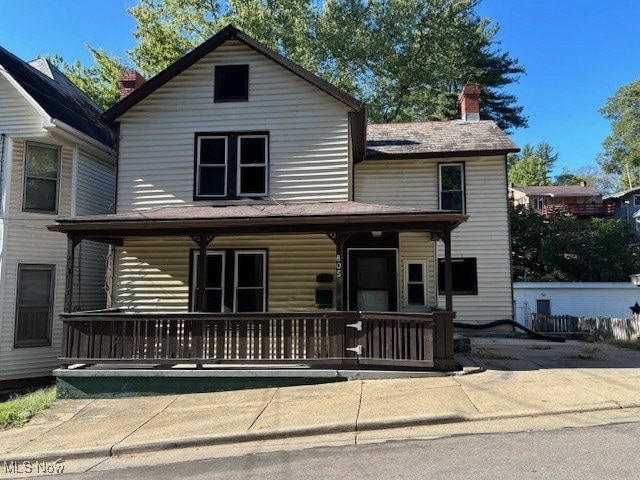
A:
{"x": 332, "y": 338}
{"x": 601, "y": 328}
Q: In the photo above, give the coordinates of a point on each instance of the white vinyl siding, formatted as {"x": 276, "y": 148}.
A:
{"x": 17, "y": 115}
{"x": 417, "y": 246}
{"x": 152, "y": 274}
{"x": 485, "y": 236}
{"x": 308, "y": 134}
{"x": 94, "y": 193}
{"x": 27, "y": 240}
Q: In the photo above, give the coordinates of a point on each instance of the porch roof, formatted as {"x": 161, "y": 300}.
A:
{"x": 262, "y": 218}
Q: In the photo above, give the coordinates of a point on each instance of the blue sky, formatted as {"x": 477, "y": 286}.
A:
{"x": 576, "y": 54}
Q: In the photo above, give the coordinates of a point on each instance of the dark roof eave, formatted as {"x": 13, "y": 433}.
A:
{"x": 312, "y": 224}
{"x": 443, "y": 154}
{"x": 205, "y": 48}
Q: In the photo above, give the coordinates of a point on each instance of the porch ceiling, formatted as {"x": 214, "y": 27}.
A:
{"x": 258, "y": 219}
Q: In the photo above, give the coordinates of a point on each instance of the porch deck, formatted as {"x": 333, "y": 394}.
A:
{"x": 317, "y": 339}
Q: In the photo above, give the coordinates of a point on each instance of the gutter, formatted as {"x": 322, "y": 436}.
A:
{"x": 79, "y": 135}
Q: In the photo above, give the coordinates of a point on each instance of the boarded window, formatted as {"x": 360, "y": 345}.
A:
{"x": 41, "y": 171}
{"x": 34, "y": 305}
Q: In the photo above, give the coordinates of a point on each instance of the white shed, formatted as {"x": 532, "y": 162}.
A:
{"x": 581, "y": 299}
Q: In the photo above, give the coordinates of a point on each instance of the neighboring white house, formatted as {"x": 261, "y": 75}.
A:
{"x": 57, "y": 159}
{"x": 234, "y": 153}
{"x": 579, "y": 299}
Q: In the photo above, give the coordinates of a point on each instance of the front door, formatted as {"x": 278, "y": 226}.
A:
{"x": 372, "y": 280}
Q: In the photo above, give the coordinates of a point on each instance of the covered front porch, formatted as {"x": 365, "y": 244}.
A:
{"x": 330, "y": 336}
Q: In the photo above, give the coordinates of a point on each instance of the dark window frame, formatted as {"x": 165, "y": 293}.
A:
{"x": 232, "y": 165}
{"x": 26, "y": 177}
{"x": 229, "y": 295}
{"x": 456, "y": 290}
{"x": 41, "y": 342}
{"x": 218, "y": 86}
{"x": 463, "y": 186}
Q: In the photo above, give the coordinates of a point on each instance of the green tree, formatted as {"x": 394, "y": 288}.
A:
{"x": 621, "y": 153}
{"x": 562, "y": 248}
{"x": 408, "y": 59}
{"x": 532, "y": 166}
{"x": 100, "y": 81}
{"x": 592, "y": 175}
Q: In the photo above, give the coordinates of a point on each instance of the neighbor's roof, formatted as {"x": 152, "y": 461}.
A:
{"x": 210, "y": 45}
{"x": 623, "y": 193}
{"x": 57, "y": 96}
{"x": 436, "y": 139}
{"x": 559, "y": 191}
{"x": 293, "y": 218}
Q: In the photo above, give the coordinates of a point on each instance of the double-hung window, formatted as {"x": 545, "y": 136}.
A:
{"x": 235, "y": 280}
{"x": 415, "y": 274}
{"x": 34, "y": 305}
{"x": 231, "y": 165}
{"x": 452, "y": 187}
{"x": 214, "y": 281}
{"x": 41, "y": 178}
{"x": 249, "y": 284}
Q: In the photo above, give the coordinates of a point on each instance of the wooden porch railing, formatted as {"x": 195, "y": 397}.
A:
{"x": 331, "y": 338}
{"x": 581, "y": 209}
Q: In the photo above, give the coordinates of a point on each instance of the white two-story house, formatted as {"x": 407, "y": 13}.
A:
{"x": 248, "y": 186}
{"x": 57, "y": 159}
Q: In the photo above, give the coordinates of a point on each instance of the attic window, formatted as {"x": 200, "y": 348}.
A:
{"x": 231, "y": 83}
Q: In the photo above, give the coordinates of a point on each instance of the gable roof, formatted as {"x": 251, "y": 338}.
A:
{"x": 58, "y": 96}
{"x": 623, "y": 193}
{"x": 210, "y": 45}
{"x": 436, "y": 139}
{"x": 559, "y": 191}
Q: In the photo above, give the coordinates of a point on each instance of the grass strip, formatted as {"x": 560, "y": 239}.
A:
{"x": 19, "y": 409}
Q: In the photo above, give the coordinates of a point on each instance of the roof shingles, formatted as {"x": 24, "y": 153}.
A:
{"x": 436, "y": 138}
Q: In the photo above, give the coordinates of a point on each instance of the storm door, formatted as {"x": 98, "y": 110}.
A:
{"x": 372, "y": 280}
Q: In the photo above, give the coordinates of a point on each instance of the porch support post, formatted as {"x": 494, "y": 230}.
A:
{"x": 203, "y": 242}
{"x": 339, "y": 239}
{"x": 448, "y": 277}
{"x": 72, "y": 243}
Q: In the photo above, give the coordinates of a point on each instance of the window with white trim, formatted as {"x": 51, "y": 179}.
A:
{"x": 231, "y": 165}
{"x": 214, "y": 281}
{"x": 41, "y": 178}
{"x": 250, "y": 281}
{"x": 636, "y": 200}
{"x": 451, "y": 186}
{"x": 34, "y": 305}
{"x": 235, "y": 280}
{"x": 415, "y": 288}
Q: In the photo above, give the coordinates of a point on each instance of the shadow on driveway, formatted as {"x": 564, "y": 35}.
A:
{"x": 516, "y": 354}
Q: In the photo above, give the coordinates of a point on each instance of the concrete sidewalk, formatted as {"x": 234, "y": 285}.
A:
{"x": 524, "y": 378}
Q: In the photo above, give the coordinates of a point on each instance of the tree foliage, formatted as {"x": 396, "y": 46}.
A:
{"x": 407, "y": 59}
{"x": 621, "y": 153}
{"x": 562, "y": 248}
{"x": 532, "y": 166}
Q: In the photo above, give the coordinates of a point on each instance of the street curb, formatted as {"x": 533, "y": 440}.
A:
{"x": 346, "y": 427}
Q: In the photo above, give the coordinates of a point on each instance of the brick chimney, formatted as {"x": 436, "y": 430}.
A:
{"x": 470, "y": 103}
{"x": 130, "y": 80}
